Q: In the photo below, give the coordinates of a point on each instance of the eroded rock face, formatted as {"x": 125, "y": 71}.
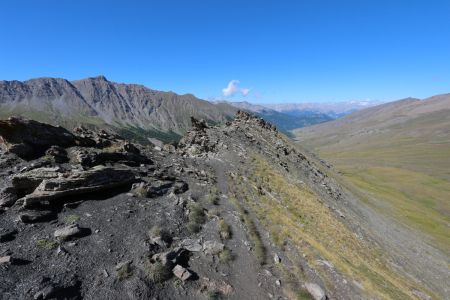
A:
{"x": 30, "y": 139}
{"x": 97, "y": 179}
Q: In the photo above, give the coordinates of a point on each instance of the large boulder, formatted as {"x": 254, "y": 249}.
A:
{"x": 97, "y": 179}
{"x": 30, "y": 139}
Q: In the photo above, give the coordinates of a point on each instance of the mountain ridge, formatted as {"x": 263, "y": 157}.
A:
{"x": 95, "y": 100}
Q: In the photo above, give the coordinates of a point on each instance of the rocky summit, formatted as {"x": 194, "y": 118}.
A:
{"x": 233, "y": 211}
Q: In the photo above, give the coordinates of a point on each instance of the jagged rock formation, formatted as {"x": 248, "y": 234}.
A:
{"x": 97, "y": 101}
{"x": 234, "y": 211}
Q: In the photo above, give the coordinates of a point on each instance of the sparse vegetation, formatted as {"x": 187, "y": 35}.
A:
{"x": 124, "y": 272}
{"x": 214, "y": 212}
{"x": 140, "y": 191}
{"x": 226, "y": 256}
{"x": 196, "y": 218}
{"x": 213, "y": 197}
{"x": 214, "y": 295}
{"x": 157, "y": 231}
{"x": 224, "y": 230}
{"x": 47, "y": 244}
{"x": 158, "y": 272}
{"x": 304, "y": 295}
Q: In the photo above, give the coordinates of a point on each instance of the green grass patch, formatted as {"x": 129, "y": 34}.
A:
{"x": 72, "y": 218}
{"x": 47, "y": 244}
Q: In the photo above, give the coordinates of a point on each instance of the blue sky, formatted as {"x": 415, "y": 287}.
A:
{"x": 279, "y": 51}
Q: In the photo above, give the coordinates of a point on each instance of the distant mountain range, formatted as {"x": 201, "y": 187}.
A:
{"x": 290, "y": 116}
{"x": 131, "y": 108}
{"x": 283, "y": 120}
{"x": 332, "y": 109}
{"x": 139, "y": 112}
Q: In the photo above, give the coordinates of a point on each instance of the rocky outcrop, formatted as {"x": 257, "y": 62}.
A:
{"x": 158, "y": 187}
{"x": 122, "y": 154}
{"x": 30, "y": 139}
{"x": 91, "y": 138}
{"x": 97, "y": 179}
{"x": 196, "y": 141}
{"x": 243, "y": 116}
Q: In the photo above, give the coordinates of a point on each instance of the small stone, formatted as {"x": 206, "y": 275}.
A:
{"x": 61, "y": 250}
{"x": 6, "y": 260}
{"x": 316, "y": 291}
{"x": 67, "y": 232}
{"x": 276, "y": 258}
{"x": 213, "y": 247}
{"x": 97, "y": 231}
{"x": 191, "y": 245}
{"x": 278, "y": 283}
{"x": 182, "y": 273}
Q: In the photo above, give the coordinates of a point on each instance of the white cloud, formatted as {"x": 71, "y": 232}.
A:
{"x": 245, "y": 92}
{"x": 233, "y": 88}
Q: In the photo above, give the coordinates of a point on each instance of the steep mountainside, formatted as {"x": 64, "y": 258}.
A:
{"x": 284, "y": 121}
{"x": 397, "y": 156}
{"x": 235, "y": 211}
{"x": 99, "y": 102}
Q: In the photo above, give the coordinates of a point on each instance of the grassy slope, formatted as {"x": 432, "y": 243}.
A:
{"x": 291, "y": 211}
{"x": 403, "y": 170}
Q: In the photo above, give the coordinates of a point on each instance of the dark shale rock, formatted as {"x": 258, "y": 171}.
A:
{"x": 30, "y": 139}
{"x": 93, "y": 180}
{"x": 35, "y": 216}
{"x": 58, "y": 154}
{"x": 8, "y": 196}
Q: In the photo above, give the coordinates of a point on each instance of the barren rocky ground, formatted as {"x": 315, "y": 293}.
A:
{"x": 234, "y": 211}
